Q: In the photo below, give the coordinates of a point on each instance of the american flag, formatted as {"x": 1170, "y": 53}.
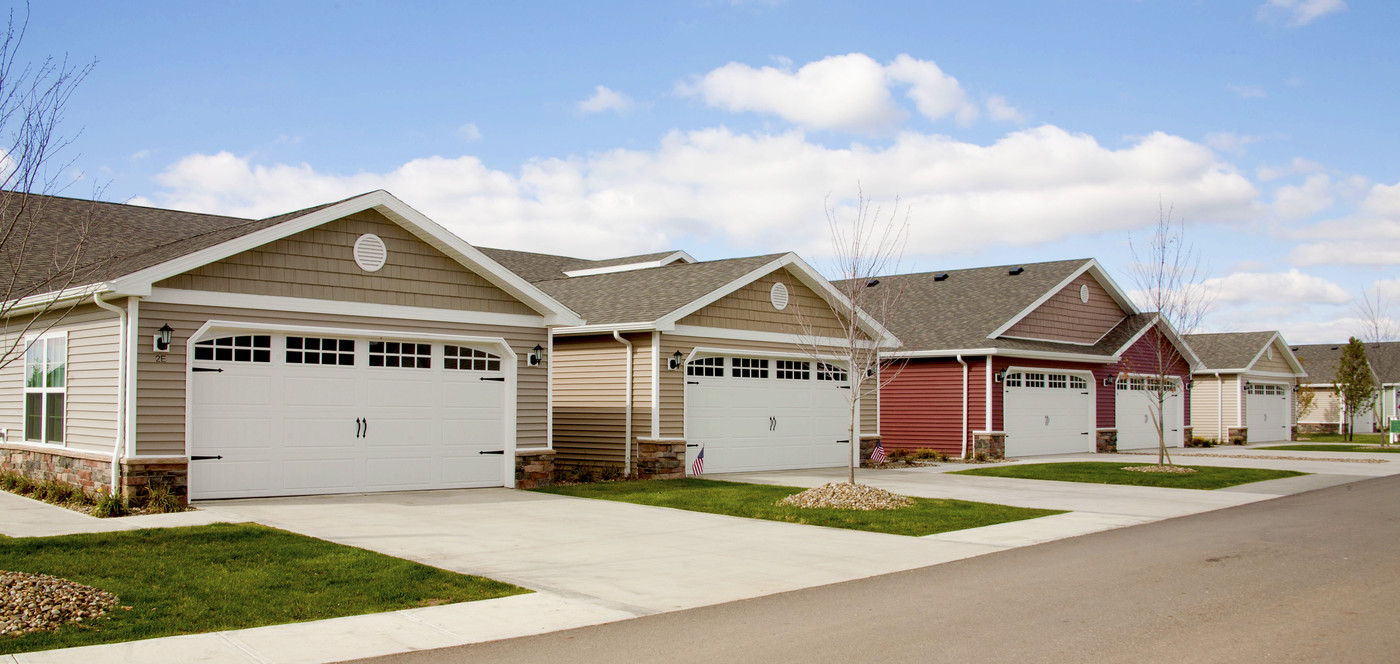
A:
{"x": 878, "y": 455}
{"x": 697, "y": 467}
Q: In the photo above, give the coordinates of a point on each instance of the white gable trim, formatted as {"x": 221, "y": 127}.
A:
{"x": 809, "y": 278}
{"x": 139, "y": 283}
{"x": 1287, "y": 353}
{"x": 1092, "y": 266}
{"x": 679, "y": 256}
{"x": 1172, "y": 336}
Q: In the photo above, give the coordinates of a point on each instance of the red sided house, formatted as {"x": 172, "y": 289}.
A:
{"x": 1043, "y": 358}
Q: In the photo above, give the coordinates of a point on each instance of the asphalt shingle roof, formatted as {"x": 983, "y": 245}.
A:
{"x": 1320, "y": 360}
{"x": 1228, "y": 350}
{"x": 960, "y": 311}
{"x": 626, "y": 297}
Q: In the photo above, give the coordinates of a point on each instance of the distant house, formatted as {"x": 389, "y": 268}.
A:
{"x": 1243, "y": 390}
{"x": 1043, "y": 358}
{"x": 1326, "y": 413}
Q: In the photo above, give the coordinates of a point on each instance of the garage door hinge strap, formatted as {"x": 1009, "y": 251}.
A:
{"x": 848, "y": 440}
{"x": 492, "y": 452}
{"x": 205, "y": 458}
{"x": 692, "y": 382}
{"x": 495, "y": 378}
{"x": 205, "y": 369}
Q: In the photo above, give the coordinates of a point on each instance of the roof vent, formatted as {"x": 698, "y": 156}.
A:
{"x": 872, "y": 283}
{"x": 1015, "y": 271}
{"x": 942, "y": 276}
{"x": 1334, "y": 348}
{"x": 778, "y": 296}
{"x": 370, "y": 252}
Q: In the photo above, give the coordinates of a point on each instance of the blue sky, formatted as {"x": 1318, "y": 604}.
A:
{"x": 1012, "y": 131}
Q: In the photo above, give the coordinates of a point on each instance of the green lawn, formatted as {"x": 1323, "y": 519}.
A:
{"x": 1098, "y": 472}
{"x": 1335, "y": 447}
{"x": 1358, "y": 439}
{"x": 226, "y": 576}
{"x": 759, "y": 501}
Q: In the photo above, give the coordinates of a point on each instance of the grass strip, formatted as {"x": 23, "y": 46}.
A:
{"x": 226, "y": 576}
{"x": 1098, "y": 472}
{"x": 926, "y": 516}
{"x": 1356, "y": 439}
{"x": 1334, "y": 447}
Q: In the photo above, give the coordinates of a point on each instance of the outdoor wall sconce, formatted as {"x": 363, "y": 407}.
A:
{"x": 162, "y": 339}
{"x": 536, "y": 356}
{"x": 998, "y": 376}
{"x": 675, "y": 361}
{"x": 1108, "y": 381}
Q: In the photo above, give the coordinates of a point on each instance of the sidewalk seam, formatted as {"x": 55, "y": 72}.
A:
{"x": 242, "y": 647}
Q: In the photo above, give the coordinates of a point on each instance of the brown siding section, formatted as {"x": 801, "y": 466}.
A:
{"x": 1064, "y": 317}
{"x": 1276, "y": 365}
{"x": 91, "y": 404}
{"x": 319, "y": 264}
{"x": 160, "y": 425}
{"x": 750, "y": 308}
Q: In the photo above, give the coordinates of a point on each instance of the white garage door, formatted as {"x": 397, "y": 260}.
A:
{"x": 277, "y": 414}
{"x": 750, "y": 413}
{"x": 1047, "y": 412}
{"x": 1134, "y": 404}
{"x": 1266, "y": 412}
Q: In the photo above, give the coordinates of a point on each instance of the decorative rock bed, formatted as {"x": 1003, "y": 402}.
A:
{"x": 843, "y": 496}
{"x": 38, "y": 602}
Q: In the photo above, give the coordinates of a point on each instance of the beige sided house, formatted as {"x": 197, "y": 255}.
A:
{"x": 1326, "y": 415}
{"x": 1243, "y": 389}
{"x": 353, "y": 346}
{"x": 734, "y": 358}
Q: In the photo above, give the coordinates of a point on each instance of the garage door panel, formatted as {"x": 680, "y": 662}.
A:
{"x": 289, "y": 429}
{"x": 1046, "y": 412}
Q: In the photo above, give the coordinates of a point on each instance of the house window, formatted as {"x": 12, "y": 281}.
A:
{"x": 400, "y": 354}
{"x": 793, "y": 369}
{"x": 1035, "y": 380}
{"x": 1077, "y": 383}
{"x": 831, "y": 372}
{"x": 316, "y": 350}
{"x": 1013, "y": 380}
{"x": 240, "y": 348}
{"x": 463, "y": 358}
{"x": 1059, "y": 381}
{"x": 747, "y": 367}
{"x": 705, "y": 366}
{"x": 45, "y": 388}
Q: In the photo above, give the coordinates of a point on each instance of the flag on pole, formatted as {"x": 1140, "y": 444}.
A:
{"x": 878, "y": 454}
{"x": 697, "y": 467}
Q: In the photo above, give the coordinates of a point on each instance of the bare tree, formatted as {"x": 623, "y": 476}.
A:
{"x": 1378, "y": 329}
{"x": 1170, "y": 282}
{"x": 33, "y": 97}
{"x": 866, "y": 243}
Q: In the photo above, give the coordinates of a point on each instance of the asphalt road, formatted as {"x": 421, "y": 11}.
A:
{"x": 1306, "y": 578}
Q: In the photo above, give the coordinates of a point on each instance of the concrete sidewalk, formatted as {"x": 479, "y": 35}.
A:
{"x": 593, "y": 562}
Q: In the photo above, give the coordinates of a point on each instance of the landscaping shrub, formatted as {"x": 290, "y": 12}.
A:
{"x": 108, "y": 505}
{"x": 1197, "y": 441}
{"x": 161, "y": 501}
{"x": 899, "y": 455}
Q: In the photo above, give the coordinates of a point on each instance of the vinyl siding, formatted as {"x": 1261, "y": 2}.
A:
{"x": 160, "y": 426}
{"x": 590, "y": 398}
{"x": 319, "y": 264}
{"x": 751, "y": 308}
{"x": 1276, "y": 365}
{"x": 1153, "y": 354}
{"x": 1205, "y": 391}
{"x": 921, "y": 406}
{"x": 1064, "y": 317}
{"x": 94, "y": 339}
{"x": 1326, "y": 408}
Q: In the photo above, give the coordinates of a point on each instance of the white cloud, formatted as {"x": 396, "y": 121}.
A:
{"x": 140, "y": 154}
{"x": 1297, "y": 13}
{"x": 1289, "y": 288}
{"x": 605, "y": 99}
{"x": 1312, "y": 197}
{"x": 849, "y": 92}
{"x": 760, "y": 192}
{"x": 1369, "y": 236}
{"x": 1001, "y": 111}
{"x": 469, "y": 132}
{"x": 1247, "y": 91}
{"x": 1298, "y": 165}
{"x": 1229, "y": 141}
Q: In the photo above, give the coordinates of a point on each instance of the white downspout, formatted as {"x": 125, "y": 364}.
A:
{"x": 627, "y": 446}
{"x": 1219, "y": 409}
{"x": 549, "y": 391}
{"x": 655, "y": 384}
{"x": 963, "y": 433}
{"x": 987, "y": 418}
{"x": 119, "y": 444}
{"x": 133, "y": 334}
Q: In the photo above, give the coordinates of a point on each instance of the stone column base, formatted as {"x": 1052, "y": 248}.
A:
{"x": 867, "y": 447}
{"x": 92, "y": 472}
{"x": 660, "y": 458}
{"x": 144, "y": 474}
{"x": 1316, "y": 428}
{"x": 1106, "y": 441}
{"x": 534, "y": 468}
{"x": 989, "y": 444}
{"x": 1238, "y": 435}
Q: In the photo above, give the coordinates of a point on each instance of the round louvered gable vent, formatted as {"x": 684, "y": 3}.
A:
{"x": 778, "y": 296}
{"x": 1084, "y": 293}
{"x": 370, "y": 252}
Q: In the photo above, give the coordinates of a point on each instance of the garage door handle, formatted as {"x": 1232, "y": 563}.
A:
{"x": 358, "y": 424}
{"x": 492, "y": 452}
{"x": 205, "y": 458}
{"x": 500, "y": 379}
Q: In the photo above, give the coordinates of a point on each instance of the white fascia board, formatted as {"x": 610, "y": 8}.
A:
{"x": 1269, "y": 374}
{"x": 1002, "y": 352}
{"x": 31, "y": 303}
{"x": 604, "y": 328}
{"x": 806, "y": 275}
{"x": 391, "y": 207}
{"x": 679, "y": 256}
{"x": 753, "y": 335}
{"x": 1292, "y": 359}
{"x": 340, "y": 308}
{"x": 1192, "y": 359}
{"x": 1091, "y": 265}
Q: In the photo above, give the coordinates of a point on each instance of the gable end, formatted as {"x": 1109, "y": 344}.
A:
{"x": 1065, "y": 317}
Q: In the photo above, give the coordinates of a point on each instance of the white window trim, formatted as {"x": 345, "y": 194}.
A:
{"x": 26, "y": 391}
